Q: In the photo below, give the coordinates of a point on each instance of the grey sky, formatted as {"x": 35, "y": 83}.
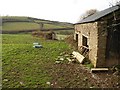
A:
{"x": 57, "y": 10}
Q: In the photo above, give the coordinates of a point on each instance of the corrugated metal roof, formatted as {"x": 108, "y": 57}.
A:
{"x": 99, "y": 15}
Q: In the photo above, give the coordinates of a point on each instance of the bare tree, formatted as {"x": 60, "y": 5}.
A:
{"x": 117, "y": 2}
{"x": 113, "y": 2}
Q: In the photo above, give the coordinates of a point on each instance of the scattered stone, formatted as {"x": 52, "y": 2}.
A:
{"x": 51, "y": 84}
{"x": 94, "y": 76}
{"x": 59, "y": 56}
{"x": 48, "y": 83}
{"x": 61, "y": 59}
{"x": 85, "y": 79}
{"x": 69, "y": 59}
{"x": 91, "y": 87}
{"x": 73, "y": 60}
{"x": 55, "y": 82}
{"x": 66, "y": 55}
{"x": 57, "y": 62}
{"x": 62, "y": 53}
{"x": 5, "y": 80}
{"x": 21, "y": 83}
{"x": 116, "y": 73}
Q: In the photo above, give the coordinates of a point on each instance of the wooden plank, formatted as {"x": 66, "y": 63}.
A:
{"x": 99, "y": 69}
{"x": 78, "y": 56}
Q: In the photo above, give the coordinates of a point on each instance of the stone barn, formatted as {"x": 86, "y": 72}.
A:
{"x": 98, "y": 37}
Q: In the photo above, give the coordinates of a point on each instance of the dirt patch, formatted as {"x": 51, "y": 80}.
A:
{"x": 76, "y": 76}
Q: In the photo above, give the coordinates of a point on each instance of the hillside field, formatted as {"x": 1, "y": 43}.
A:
{"x": 17, "y": 23}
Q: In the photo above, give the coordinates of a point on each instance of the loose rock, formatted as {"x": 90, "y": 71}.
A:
{"x": 61, "y": 59}
{"x": 57, "y": 62}
{"x": 48, "y": 83}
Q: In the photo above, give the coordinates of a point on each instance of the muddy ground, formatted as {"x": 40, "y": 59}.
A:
{"x": 75, "y": 75}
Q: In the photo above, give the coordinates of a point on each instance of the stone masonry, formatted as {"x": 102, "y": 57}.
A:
{"x": 96, "y": 34}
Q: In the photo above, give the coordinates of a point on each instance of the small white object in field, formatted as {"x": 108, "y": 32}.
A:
{"x": 57, "y": 62}
{"x": 36, "y": 43}
{"x": 48, "y": 83}
{"x": 5, "y": 80}
{"x": 69, "y": 59}
{"x": 51, "y": 84}
{"x": 61, "y": 59}
{"x": 37, "y": 46}
{"x": 21, "y": 83}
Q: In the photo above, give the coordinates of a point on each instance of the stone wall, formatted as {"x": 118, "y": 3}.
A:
{"x": 96, "y": 33}
{"x": 102, "y": 41}
{"x": 90, "y": 31}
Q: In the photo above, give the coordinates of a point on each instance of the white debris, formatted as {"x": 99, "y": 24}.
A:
{"x": 5, "y": 80}
{"x": 61, "y": 59}
{"x": 78, "y": 56}
{"x": 21, "y": 83}
{"x": 57, "y": 62}
{"x": 51, "y": 84}
{"x": 36, "y": 43}
{"x": 37, "y": 46}
{"x": 48, "y": 83}
{"x": 69, "y": 59}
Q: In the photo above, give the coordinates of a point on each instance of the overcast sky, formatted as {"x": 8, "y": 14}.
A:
{"x": 57, "y": 10}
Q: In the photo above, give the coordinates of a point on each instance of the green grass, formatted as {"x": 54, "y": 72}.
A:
{"x": 52, "y": 26}
{"x": 29, "y": 23}
{"x": 61, "y": 37}
{"x": 14, "y": 26}
{"x": 65, "y": 32}
{"x": 17, "y": 26}
{"x": 25, "y": 66}
{"x": 15, "y": 17}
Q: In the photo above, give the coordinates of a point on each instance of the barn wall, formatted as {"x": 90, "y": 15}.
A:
{"x": 90, "y": 31}
{"x": 102, "y": 41}
{"x": 97, "y": 34}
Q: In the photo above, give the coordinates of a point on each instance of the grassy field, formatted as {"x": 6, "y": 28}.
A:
{"x": 16, "y": 23}
{"x": 25, "y": 66}
{"x": 61, "y": 37}
{"x": 17, "y": 26}
{"x": 15, "y": 17}
{"x": 52, "y": 26}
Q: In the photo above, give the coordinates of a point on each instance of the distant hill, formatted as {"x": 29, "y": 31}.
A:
{"x": 19, "y": 23}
